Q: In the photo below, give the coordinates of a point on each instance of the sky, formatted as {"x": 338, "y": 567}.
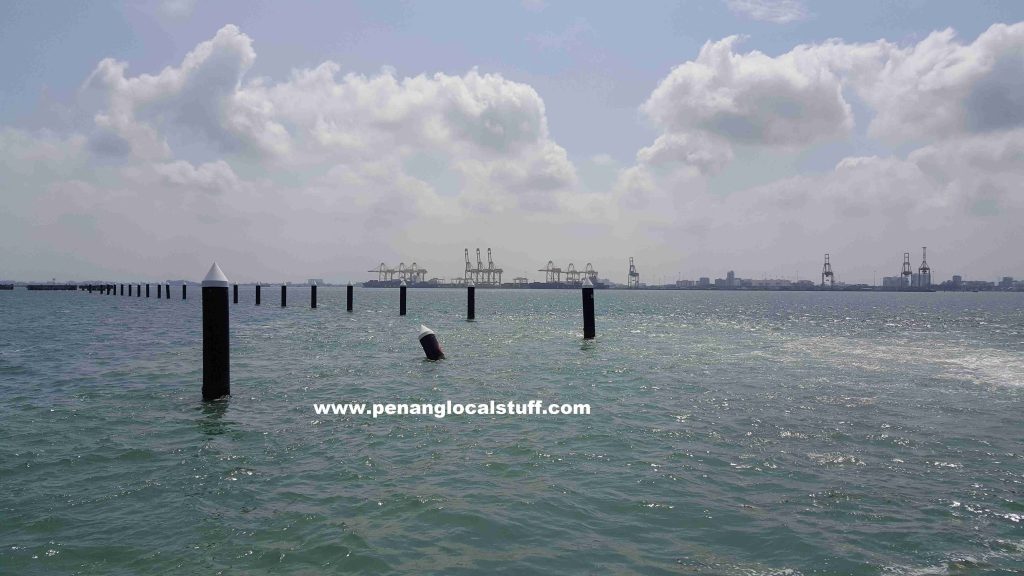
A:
{"x": 294, "y": 140}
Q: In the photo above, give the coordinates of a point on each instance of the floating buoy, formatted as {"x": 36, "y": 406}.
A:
{"x": 431, "y": 346}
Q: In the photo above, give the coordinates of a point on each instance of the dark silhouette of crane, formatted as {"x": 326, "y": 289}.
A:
{"x": 826, "y": 273}
{"x": 633, "y": 280}
{"x": 907, "y": 273}
{"x": 924, "y": 273}
{"x": 551, "y": 272}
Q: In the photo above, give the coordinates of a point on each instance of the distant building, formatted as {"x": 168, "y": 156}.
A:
{"x": 684, "y": 283}
{"x": 1006, "y": 283}
{"x": 980, "y": 285}
{"x": 893, "y": 282}
{"x": 704, "y": 281}
{"x": 770, "y": 283}
{"x": 730, "y": 279}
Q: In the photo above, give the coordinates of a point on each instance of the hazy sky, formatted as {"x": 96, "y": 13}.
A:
{"x": 290, "y": 140}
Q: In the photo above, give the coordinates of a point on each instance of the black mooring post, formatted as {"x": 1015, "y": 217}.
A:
{"x": 312, "y": 296}
{"x": 401, "y": 298}
{"x": 184, "y": 294}
{"x": 122, "y": 289}
{"x": 257, "y": 294}
{"x": 470, "y": 301}
{"x": 588, "y": 310}
{"x": 138, "y": 290}
{"x": 147, "y": 290}
{"x": 284, "y": 295}
{"x": 129, "y": 289}
{"x": 235, "y": 288}
{"x": 216, "y": 345}
{"x": 348, "y": 297}
{"x": 159, "y": 290}
{"x": 167, "y": 291}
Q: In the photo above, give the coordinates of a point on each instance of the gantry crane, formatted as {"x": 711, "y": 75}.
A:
{"x": 633, "y": 280}
{"x": 826, "y": 273}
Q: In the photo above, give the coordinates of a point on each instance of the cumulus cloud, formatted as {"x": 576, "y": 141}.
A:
{"x": 320, "y": 155}
{"x": 941, "y": 87}
{"x": 960, "y": 103}
{"x": 935, "y": 89}
{"x": 751, "y": 98}
{"x": 201, "y": 96}
{"x": 346, "y": 167}
{"x": 493, "y": 132}
{"x": 212, "y": 177}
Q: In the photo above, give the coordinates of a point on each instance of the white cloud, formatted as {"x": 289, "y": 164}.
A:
{"x": 753, "y": 98}
{"x": 699, "y": 150}
{"x": 961, "y": 103}
{"x": 348, "y": 169}
{"x": 492, "y": 132}
{"x": 203, "y": 96}
{"x": 776, "y": 11}
{"x": 941, "y": 87}
{"x": 212, "y": 177}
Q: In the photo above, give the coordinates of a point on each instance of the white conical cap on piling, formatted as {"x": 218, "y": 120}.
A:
{"x": 349, "y": 284}
{"x": 424, "y": 331}
{"x": 587, "y": 283}
{"x": 471, "y": 284}
{"x": 403, "y": 283}
{"x": 215, "y": 278}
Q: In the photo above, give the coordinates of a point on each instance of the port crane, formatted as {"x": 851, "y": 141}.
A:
{"x": 480, "y": 275}
{"x": 826, "y": 273}
{"x": 633, "y": 280}
{"x": 924, "y": 273}
{"x": 551, "y": 272}
{"x": 906, "y": 272}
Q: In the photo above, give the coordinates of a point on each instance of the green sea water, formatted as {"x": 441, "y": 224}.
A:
{"x": 730, "y": 433}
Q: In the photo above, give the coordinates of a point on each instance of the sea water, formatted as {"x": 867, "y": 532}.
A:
{"x": 729, "y": 433}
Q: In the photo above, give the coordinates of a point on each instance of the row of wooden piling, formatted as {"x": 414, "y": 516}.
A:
{"x": 109, "y": 289}
{"x": 216, "y": 347}
{"x": 114, "y": 289}
{"x": 216, "y": 332}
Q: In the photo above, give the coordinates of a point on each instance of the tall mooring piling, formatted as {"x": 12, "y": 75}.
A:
{"x": 216, "y": 344}
{"x": 589, "y": 329}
